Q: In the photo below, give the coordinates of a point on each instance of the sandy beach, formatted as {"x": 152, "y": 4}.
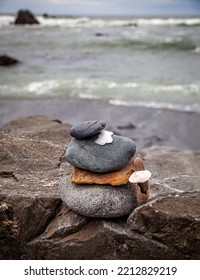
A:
{"x": 146, "y": 126}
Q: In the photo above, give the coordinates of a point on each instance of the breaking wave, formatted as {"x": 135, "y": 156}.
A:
{"x": 99, "y": 88}
{"x": 103, "y": 22}
{"x": 183, "y": 44}
{"x": 189, "y": 108}
{"x": 155, "y": 96}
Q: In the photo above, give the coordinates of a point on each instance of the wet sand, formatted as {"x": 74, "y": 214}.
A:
{"x": 146, "y": 126}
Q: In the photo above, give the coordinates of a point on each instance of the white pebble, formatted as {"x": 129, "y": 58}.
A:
{"x": 140, "y": 176}
{"x": 104, "y": 137}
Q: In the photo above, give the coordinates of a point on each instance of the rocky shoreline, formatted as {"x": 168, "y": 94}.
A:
{"x": 36, "y": 224}
{"x": 146, "y": 126}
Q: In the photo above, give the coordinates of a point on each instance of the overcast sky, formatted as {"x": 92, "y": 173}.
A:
{"x": 104, "y": 7}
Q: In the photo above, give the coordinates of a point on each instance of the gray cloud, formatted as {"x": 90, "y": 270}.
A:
{"x": 77, "y": 7}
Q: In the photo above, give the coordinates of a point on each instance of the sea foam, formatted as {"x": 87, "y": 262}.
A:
{"x": 103, "y": 22}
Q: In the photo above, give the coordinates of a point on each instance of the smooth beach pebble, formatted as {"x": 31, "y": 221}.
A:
{"x": 86, "y": 154}
{"x": 98, "y": 201}
{"x": 87, "y": 129}
{"x": 140, "y": 176}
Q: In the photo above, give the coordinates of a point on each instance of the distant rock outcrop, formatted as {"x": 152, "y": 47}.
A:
{"x": 45, "y": 15}
{"x": 36, "y": 224}
{"x": 7, "y": 60}
{"x": 25, "y": 17}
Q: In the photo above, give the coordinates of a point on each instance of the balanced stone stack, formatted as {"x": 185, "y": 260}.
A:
{"x": 106, "y": 180}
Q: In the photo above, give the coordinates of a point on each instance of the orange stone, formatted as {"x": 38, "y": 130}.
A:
{"x": 115, "y": 178}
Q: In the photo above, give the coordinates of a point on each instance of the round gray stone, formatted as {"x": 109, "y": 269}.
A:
{"x": 98, "y": 200}
{"x": 87, "y": 129}
{"x": 86, "y": 154}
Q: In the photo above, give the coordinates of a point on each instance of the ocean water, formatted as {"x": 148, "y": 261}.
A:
{"x": 150, "y": 62}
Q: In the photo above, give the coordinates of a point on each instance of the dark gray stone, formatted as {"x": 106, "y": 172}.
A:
{"x": 7, "y": 60}
{"x": 25, "y": 17}
{"x": 87, "y": 129}
{"x": 86, "y": 154}
{"x": 98, "y": 200}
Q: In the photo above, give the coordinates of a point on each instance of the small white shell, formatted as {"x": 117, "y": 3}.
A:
{"x": 104, "y": 137}
{"x": 140, "y": 176}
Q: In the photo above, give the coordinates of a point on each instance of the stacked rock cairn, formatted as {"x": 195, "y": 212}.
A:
{"x": 106, "y": 180}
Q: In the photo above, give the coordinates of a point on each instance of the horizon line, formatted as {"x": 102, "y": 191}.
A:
{"x": 102, "y": 15}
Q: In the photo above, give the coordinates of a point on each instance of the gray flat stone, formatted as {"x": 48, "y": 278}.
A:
{"x": 97, "y": 200}
{"x": 86, "y": 154}
{"x": 87, "y": 129}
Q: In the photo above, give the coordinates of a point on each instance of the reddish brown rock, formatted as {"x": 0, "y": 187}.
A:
{"x": 142, "y": 198}
{"x": 173, "y": 221}
{"x": 115, "y": 178}
{"x": 142, "y": 188}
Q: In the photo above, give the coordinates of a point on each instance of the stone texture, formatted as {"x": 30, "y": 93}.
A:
{"x": 36, "y": 224}
{"x": 67, "y": 222}
{"x": 173, "y": 221}
{"x": 115, "y": 178}
{"x": 102, "y": 201}
{"x": 31, "y": 166}
{"x": 99, "y": 239}
{"x": 87, "y": 129}
{"x": 86, "y": 154}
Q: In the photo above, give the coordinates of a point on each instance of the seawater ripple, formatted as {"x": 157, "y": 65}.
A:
{"x": 184, "y": 44}
{"x": 66, "y": 21}
{"x": 98, "y": 88}
{"x": 129, "y": 61}
{"x": 187, "y": 108}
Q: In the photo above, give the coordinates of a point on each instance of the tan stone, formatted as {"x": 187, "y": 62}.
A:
{"x": 141, "y": 176}
{"x": 115, "y": 178}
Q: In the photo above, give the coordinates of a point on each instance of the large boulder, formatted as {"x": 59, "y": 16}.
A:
{"x": 36, "y": 224}
{"x": 171, "y": 220}
{"x": 25, "y": 17}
